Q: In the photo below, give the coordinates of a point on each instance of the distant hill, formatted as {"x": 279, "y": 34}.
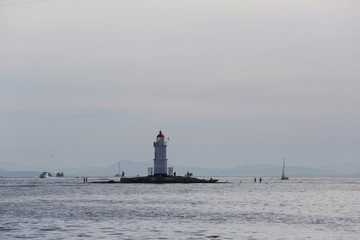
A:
{"x": 350, "y": 168}
{"x": 4, "y": 173}
{"x": 259, "y": 170}
{"x": 141, "y": 168}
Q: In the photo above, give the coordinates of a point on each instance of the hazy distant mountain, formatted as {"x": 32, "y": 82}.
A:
{"x": 141, "y": 168}
{"x": 351, "y": 168}
{"x": 9, "y": 169}
{"x": 129, "y": 167}
{"x": 4, "y": 173}
{"x": 261, "y": 170}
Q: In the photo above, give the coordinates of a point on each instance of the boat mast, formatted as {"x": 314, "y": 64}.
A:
{"x": 283, "y": 170}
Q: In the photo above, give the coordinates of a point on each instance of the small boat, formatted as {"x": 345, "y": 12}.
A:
{"x": 45, "y": 175}
{"x": 283, "y": 177}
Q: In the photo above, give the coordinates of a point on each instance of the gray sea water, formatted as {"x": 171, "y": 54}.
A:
{"x": 66, "y": 208}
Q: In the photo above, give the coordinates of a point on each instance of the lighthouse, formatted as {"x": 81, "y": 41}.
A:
{"x": 160, "y": 173}
{"x": 160, "y": 160}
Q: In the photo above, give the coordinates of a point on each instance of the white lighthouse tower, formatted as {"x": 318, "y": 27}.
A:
{"x": 160, "y": 160}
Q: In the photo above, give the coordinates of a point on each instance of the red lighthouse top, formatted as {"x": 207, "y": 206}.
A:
{"x": 160, "y": 134}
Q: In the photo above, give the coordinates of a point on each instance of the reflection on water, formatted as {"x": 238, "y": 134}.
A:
{"x": 63, "y": 208}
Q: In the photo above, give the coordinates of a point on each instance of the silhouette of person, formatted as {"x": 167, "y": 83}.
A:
{"x": 260, "y": 180}
{"x": 254, "y": 179}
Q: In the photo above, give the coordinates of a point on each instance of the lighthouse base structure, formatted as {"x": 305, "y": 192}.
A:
{"x": 166, "y": 179}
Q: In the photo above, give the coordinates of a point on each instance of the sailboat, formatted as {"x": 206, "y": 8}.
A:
{"x": 283, "y": 177}
{"x": 118, "y": 174}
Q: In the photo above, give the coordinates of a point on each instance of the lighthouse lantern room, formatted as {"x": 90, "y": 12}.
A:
{"x": 160, "y": 160}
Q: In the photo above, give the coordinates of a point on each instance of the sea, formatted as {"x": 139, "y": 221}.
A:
{"x": 236, "y": 208}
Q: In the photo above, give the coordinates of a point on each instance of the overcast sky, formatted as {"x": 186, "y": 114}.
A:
{"x": 231, "y": 82}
